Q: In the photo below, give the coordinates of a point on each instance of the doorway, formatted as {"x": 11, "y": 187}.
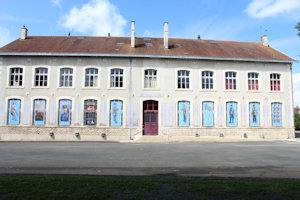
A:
{"x": 150, "y": 117}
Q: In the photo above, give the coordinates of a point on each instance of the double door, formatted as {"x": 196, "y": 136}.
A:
{"x": 150, "y": 117}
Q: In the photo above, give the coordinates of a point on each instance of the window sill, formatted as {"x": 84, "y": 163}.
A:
{"x": 231, "y": 90}
{"x": 151, "y": 89}
{"x": 117, "y": 88}
{"x": 64, "y": 88}
{"x": 40, "y": 87}
{"x": 254, "y": 91}
{"x": 188, "y": 90}
{"x": 15, "y": 87}
{"x": 208, "y": 90}
{"x": 91, "y": 88}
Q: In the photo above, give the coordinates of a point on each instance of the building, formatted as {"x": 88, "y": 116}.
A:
{"x": 297, "y": 110}
{"x": 69, "y": 88}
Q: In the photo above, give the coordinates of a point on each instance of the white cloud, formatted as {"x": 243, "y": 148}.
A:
{"x": 296, "y": 88}
{"x": 5, "y": 36}
{"x": 271, "y": 8}
{"x": 57, "y": 3}
{"x": 98, "y": 17}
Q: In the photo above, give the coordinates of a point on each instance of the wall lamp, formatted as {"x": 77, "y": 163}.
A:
{"x": 51, "y": 134}
{"x": 221, "y": 134}
{"x": 245, "y": 135}
{"x": 197, "y": 135}
{"x": 77, "y": 134}
{"x": 103, "y": 135}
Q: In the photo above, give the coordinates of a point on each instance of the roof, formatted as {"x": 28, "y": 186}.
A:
{"x": 148, "y": 47}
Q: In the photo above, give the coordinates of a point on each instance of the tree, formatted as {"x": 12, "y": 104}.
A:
{"x": 297, "y": 121}
{"x": 298, "y": 28}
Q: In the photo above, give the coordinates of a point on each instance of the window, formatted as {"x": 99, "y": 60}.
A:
{"x": 91, "y": 77}
{"x": 116, "y": 107}
{"x": 230, "y": 80}
{"x": 208, "y": 113}
{"x": 231, "y": 108}
{"x": 16, "y": 76}
{"x": 254, "y": 114}
{"x": 116, "y": 78}
{"x": 41, "y": 77}
{"x": 66, "y": 77}
{"x": 150, "y": 79}
{"x": 252, "y": 81}
{"x": 65, "y": 107}
{"x": 276, "y": 114}
{"x": 275, "y": 82}
{"x": 183, "y": 113}
{"x": 14, "y": 110}
{"x": 39, "y": 112}
{"x": 183, "y": 79}
{"x": 90, "y": 112}
{"x": 207, "y": 80}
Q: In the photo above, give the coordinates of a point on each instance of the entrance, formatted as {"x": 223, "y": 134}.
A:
{"x": 150, "y": 117}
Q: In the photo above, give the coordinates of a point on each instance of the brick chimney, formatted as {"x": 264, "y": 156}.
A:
{"x": 132, "y": 34}
{"x": 264, "y": 40}
{"x": 166, "y": 44}
{"x": 24, "y": 33}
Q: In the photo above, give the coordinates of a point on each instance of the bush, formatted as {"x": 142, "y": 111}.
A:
{"x": 297, "y": 121}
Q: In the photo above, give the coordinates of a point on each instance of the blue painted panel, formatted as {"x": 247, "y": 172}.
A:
{"x": 184, "y": 113}
{"x": 65, "y": 112}
{"x": 254, "y": 113}
{"x": 231, "y": 114}
{"x": 14, "y": 112}
{"x": 208, "y": 113}
{"x": 39, "y": 112}
{"x": 276, "y": 114}
{"x": 116, "y": 113}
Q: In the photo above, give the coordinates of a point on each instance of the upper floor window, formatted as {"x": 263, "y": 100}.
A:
{"x": 183, "y": 77}
{"x": 66, "y": 77}
{"x": 252, "y": 81}
{"x": 207, "y": 80}
{"x": 91, "y": 77}
{"x": 150, "y": 78}
{"x": 16, "y": 76}
{"x": 275, "y": 82}
{"x": 230, "y": 80}
{"x": 41, "y": 77}
{"x": 116, "y": 78}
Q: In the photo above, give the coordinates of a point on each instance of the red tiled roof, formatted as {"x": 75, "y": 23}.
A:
{"x": 121, "y": 45}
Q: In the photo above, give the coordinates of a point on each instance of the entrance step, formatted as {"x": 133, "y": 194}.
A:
{"x": 152, "y": 138}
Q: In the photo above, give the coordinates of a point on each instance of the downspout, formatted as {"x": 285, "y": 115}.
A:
{"x": 130, "y": 93}
{"x": 293, "y": 113}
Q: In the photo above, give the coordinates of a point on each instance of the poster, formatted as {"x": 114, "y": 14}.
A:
{"x": 90, "y": 112}
{"x": 116, "y": 113}
{"x": 254, "y": 114}
{"x": 183, "y": 113}
{"x": 65, "y": 112}
{"x": 231, "y": 108}
{"x": 276, "y": 114}
{"x": 208, "y": 113}
{"x": 39, "y": 112}
{"x": 14, "y": 107}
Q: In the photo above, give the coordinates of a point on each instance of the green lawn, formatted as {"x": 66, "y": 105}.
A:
{"x": 97, "y": 187}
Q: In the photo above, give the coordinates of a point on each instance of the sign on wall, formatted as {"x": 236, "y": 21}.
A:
{"x": 183, "y": 113}
{"x": 39, "y": 112}
{"x": 276, "y": 114}
{"x": 14, "y": 106}
{"x": 65, "y": 112}
{"x": 116, "y": 113}
{"x": 90, "y": 114}
{"x": 208, "y": 113}
{"x": 254, "y": 114}
{"x": 231, "y": 108}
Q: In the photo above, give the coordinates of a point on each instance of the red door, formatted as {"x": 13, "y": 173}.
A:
{"x": 150, "y": 117}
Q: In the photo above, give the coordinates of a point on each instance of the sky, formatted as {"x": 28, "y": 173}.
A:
{"x": 234, "y": 20}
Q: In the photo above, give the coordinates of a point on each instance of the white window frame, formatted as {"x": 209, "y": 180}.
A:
{"x": 41, "y": 74}
{"x": 233, "y": 79}
{"x": 89, "y": 75}
{"x": 251, "y": 77}
{"x": 96, "y": 111}
{"x": 152, "y": 79}
{"x": 273, "y": 80}
{"x": 112, "y": 83}
{"x": 15, "y": 74}
{"x": 181, "y": 77}
{"x": 67, "y": 75}
{"x": 208, "y": 78}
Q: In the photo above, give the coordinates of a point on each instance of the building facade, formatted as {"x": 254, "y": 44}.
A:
{"x": 127, "y": 89}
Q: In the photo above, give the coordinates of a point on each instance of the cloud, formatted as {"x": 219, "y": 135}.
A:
{"x": 98, "y": 17}
{"x": 57, "y": 3}
{"x": 296, "y": 88}
{"x": 271, "y": 8}
{"x": 5, "y": 36}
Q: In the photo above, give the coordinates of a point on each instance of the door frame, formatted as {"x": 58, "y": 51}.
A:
{"x": 150, "y": 110}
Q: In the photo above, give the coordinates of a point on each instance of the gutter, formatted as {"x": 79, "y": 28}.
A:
{"x": 147, "y": 56}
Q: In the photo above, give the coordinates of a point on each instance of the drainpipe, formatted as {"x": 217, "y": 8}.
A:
{"x": 130, "y": 93}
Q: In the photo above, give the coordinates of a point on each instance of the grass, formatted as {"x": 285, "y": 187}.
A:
{"x": 99, "y": 187}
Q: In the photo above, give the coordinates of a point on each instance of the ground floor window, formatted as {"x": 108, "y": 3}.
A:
{"x": 14, "y": 110}
{"x": 254, "y": 113}
{"x": 276, "y": 114}
{"x": 208, "y": 113}
{"x": 65, "y": 107}
{"x": 90, "y": 112}
{"x": 183, "y": 113}
{"x": 231, "y": 110}
{"x": 39, "y": 111}
{"x": 116, "y": 107}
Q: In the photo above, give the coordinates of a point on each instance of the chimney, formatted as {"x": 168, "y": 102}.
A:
{"x": 264, "y": 40}
{"x": 199, "y": 38}
{"x": 132, "y": 34}
{"x": 166, "y": 45}
{"x": 24, "y": 33}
